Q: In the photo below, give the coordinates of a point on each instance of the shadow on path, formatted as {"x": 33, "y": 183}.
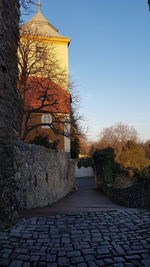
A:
{"x": 86, "y": 229}
{"x": 77, "y": 201}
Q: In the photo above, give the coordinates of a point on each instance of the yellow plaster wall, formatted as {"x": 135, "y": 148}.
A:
{"x": 61, "y": 51}
{"x": 62, "y": 54}
{"x": 35, "y": 119}
{"x": 56, "y": 46}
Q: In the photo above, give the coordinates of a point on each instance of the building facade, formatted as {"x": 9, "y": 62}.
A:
{"x": 44, "y": 81}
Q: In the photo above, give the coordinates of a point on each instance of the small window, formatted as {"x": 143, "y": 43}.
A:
{"x": 46, "y": 118}
{"x": 40, "y": 53}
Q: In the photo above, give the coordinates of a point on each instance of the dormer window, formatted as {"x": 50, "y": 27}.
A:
{"x": 41, "y": 98}
{"x": 40, "y": 52}
{"x": 46, "y": 118}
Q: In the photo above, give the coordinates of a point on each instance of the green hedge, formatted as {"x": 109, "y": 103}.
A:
{"x": 106, "y": 167}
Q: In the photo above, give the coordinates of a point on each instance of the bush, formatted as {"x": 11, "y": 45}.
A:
{"x": 143, "y": 175}
{"x": 85, "y": 162}
{"x": 106, "y": 166}
{"x": 43, "y": 140}
{"x": 133, "y": 156}
{"x": 75, "y": 148}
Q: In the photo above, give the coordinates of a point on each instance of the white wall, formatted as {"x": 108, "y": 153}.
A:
{"x": 83, "y": 172}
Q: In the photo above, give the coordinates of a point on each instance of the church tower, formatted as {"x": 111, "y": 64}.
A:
{"x": 46, "y": 47}
{"x": 51, "y": 36}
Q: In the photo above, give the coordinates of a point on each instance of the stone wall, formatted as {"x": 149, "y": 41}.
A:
{"x": 9, "y": 30}
{"x": 136, "y": 196}
{"x": 42, "y": 176}
{"x": 30, "y": 176}
{"x": 9, "y": 102}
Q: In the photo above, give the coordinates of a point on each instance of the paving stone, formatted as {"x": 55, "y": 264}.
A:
{"x": 15, "y": 235}
{"x": 21, "y": 250}
{"x": 62, "y": 253}
{"x": 136, "y": 262}
{"x": 4, "y": 262}
{"x": 100, "y": 263}
{"x": 15, "y": 263}
{"x": 65, "y": 240}
{"x": 146, "y": 256}
{"x": 119, "y": 259}
{"x": 89, "y": 257}
{"x": 119, "y": 250}
{"x": 118, "y": 265}
{"x": 103, "y": 251}
{"x": 146, "y": 246}
{"x": 137, "y": 247}
{"x": 27, "y": 264}
{"x": 108, "y": 261}
{"x": 63, "y": 261}
{"x": 73, "y": 253}
{"x": 139, "y": 251}
{"x": 75, "y": 260}
{"x": 68, "y": 248}
{"x": 5, "y": 256}
{"x": 26, "y": 236}
{"x": 93, "y": 264}
{"x": 52, "y": 265}
{"x": 2, "y": 235}
{"x": 51, "y": 258}
{"x": 23, "y": 257}
{"x": 146, "y": 263}
{"x": 30, "y": 242}
{"x": 82, "y": 265}
{"x": 132, "y": 257}
{"x": 34, "y": 258}
{"x": 88, "y": 251}
{"x": 6, "y": 251}
{"x": 128, "y": 264}
{"x": 13, "y": 256}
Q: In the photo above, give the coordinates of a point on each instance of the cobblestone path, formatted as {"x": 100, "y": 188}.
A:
{"x": 104, "y": 238}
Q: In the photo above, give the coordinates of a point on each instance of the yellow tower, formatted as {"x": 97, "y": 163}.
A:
{"x": 48, "y": 34}
{"x": 37, "y": 36}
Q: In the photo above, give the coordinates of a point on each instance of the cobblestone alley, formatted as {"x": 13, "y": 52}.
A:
{"x": 83, "y": 229}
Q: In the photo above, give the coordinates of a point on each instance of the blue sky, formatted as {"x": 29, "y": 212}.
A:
{"x": 109, "y": 59}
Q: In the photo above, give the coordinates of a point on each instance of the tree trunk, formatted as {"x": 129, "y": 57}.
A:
{"x": 9, "y": 105}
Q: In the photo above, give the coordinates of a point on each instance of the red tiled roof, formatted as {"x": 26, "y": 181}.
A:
{"x": 54, "y": 98}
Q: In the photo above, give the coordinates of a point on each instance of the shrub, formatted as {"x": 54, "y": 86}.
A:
{"x": 106, "y": 166}
{"x": 85, "y": 162}
{"x": 43, "y": 140}
{"x": 75, "y": 148}
{"x": 133, "y": 156}
{"x": 143, "y": 174}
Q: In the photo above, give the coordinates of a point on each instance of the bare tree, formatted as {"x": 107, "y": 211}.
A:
{"x": 149, "y": 4}
{"x": 77, "y": 130}
{"x": 84, "y": 145}
{"x": 116, "y": 136}
{"x": 42, "y": 85}
{"x": 146, "y": 147}
{"x": 133, "y": 156}
{"x": 26, "y": 6}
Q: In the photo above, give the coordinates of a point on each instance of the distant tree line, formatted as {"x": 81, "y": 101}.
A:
{"x": 118, "y": 151}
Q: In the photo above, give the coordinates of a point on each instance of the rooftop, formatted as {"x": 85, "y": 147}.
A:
{"x": 39, "y": 24}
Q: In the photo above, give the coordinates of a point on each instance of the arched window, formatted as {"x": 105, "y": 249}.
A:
{"x": 46, "y": 118}
{"x": 40, "y": 53}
